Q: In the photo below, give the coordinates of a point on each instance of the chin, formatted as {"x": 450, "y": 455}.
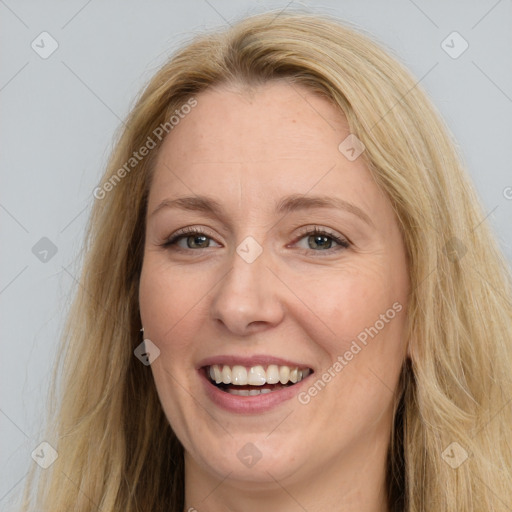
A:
{"x": 246, "y": 461}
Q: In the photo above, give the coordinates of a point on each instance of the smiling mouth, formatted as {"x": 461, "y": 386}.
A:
{"x": 254, "y": 380}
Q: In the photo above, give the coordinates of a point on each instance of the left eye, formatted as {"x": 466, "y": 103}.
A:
{"x": 323, "y": 240}
{"x": 197, "y": 239}
{"x": 317, "y": 239}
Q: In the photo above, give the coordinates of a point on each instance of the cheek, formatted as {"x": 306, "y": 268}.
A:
{"x": 347, "y": 301}
{"x": 169, "y": 307}
{"x": 359, "y": 317}
{"x": 167, "y": 298}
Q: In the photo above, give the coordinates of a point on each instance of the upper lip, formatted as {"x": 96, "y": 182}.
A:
{"x": 255, "y": 360}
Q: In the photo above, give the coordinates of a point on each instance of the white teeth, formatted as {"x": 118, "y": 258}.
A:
{"x": 256, "y": 375}
{"x": 246, "y": 392}
{"x": 272, "y": 374}
{"x": 239, "y": 375}
{"x": 226, "y": 374}
{"x": 216, "y": 374}
{"x": 284, "y": 374}
{"x": 240, "y": 392}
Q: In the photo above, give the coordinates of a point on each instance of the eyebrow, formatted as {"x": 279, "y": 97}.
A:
{"x": 289, "y": 204}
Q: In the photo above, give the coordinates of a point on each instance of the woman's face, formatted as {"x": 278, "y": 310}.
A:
{"x": 254, "y": 294}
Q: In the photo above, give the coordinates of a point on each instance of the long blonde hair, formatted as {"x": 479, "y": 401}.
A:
{"x": 450, "y": 443}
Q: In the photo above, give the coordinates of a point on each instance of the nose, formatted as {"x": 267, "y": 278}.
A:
{"x": 247, "y": 299}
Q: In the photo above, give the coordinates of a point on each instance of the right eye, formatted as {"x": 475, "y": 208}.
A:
{"x": 194, "y": 238}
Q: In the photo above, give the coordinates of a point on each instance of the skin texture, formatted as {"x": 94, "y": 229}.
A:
{"x": 298, "y": 300}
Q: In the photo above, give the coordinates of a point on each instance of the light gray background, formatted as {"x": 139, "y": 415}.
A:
{"x": 59, "y": 116}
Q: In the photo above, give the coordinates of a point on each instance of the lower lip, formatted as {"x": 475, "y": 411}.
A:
{"x": 249, "y": 404}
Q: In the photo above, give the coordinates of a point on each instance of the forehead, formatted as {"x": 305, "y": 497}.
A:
{"x": 266, "y": 121}
{"x": 261, "y": 143}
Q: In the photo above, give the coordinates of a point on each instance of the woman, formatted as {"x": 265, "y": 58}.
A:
{"x": 286, "y": 224}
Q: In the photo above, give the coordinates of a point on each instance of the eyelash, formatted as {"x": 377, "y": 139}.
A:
{"x": 316, "y": 231}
